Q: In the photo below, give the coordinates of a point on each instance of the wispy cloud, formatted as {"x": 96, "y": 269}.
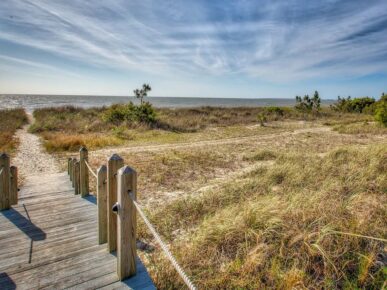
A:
{"x": 277, "y": 41}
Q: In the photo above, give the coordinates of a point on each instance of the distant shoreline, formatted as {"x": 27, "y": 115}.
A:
{"x": 32, "y": 102}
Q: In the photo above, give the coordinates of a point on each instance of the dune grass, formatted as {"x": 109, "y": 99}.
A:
{"x": 10, "y": 121}
{"x": 284, "y": 209}
{"x": 361, "y": 128}
{"x": 66, "y": 128}
{"x": 286, "y": 226}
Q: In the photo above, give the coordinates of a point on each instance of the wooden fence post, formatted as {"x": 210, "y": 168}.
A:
{"x": 115, "y": 162}
{"x": 76, "y": 177}
{"x": 71, "y": 168}
{"x": 102, "y": 204}
{"x": 126, "y": 223}
{"x": 4, "y": 182}
{"x": 84, "y": 172}
{"x": 13, "y": 195}
{"x": 73, "y": 176}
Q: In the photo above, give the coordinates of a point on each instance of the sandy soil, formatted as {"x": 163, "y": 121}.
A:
{"x": 30, "y": 158}
{"x": 219, "y": 142}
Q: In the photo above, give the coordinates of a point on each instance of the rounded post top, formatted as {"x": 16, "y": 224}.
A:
{"x": 83, "y": 149}
{"x": 102, "y": 168}
{"x": 126, "y": 170}
{"x": 115, "y": 157}
{"x": 4, "y": 155}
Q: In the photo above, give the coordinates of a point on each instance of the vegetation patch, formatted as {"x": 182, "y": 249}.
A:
{"x": 10, "y": 121}
{"x": 57, "y": 142}
{"x": 304, "y": 222}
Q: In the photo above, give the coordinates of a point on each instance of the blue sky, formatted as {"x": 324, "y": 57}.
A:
{"x": 201, "y": 48}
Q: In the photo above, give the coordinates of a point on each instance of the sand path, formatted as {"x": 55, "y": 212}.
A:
{"x": 218, "y": 142}
{"x": 31, "y": 158}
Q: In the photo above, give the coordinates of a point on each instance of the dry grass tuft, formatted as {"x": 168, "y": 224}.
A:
{"x": 56, "y": 142}
{"x": 10, "y": 121}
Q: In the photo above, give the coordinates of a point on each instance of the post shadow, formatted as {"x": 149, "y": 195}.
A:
{"x": 91, "y": 198}
{"x": 24, "y": 224}
{"x": 6, "y": 282}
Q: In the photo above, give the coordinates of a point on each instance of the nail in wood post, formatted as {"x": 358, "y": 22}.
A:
{"x": 102, "y": 204}
{"x": 71, "y": 169}
{"x": 4, "y": 182}
{"x": 73, "y": 176}
{"x": 76, "y": 177}
{"x": 13, "y": 196}
{"x": 126, "y": 223}
{"x": 115, "y": 162}
{"x": 69, "y": 166}
{"x": 84, "y": 172}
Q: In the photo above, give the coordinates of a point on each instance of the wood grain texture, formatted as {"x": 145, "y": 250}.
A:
{"x": 77, "y": 181}
{"x": 127, "y": 223}
{"x": 4, "y": 182}
{"x": 13, "y": 191}
{"x": 115, "y": 162}
{"x": 102, "y": 204}
{"x": 84, "y": 172}
{"x": 49, "y": 241}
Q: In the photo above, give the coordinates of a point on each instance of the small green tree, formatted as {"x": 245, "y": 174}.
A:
{"x": 262, "y": 119}
{"x": 141, "y": 93}
{"x": 381, "y": 110}
{"x": 308, "y": 104}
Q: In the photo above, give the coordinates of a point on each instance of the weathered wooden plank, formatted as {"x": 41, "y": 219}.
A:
{"x": 63, "y": 231}
{"x": 22, "y": 245}
{"x": 90, "y": 274}
{"x": 22, "y": 241}
{"x": 57, "y": 258}
{"x": 47, "y": 255}
{"x": 27, "y": 227}
{"x": 51, "y": 269}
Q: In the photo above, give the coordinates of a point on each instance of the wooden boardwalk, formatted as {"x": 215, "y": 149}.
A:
{"x": 49, "y": 241}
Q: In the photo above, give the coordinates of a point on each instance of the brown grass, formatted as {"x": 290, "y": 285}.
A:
{"x": 10, "y": 121}
{"x": 280, "y": 227}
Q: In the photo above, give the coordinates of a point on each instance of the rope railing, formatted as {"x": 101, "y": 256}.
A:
{"x": 90, "y": 169}
{"x": 164, "y": 247}
{"x": 113, "y": 182}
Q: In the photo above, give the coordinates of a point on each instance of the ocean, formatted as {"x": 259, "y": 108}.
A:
{"x": 31, "y": 102}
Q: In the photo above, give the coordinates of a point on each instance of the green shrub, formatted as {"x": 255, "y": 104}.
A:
{"x": 381, "y": 110}
{"x": 275, "y": 111}
{"x": 308, "y": 104}
{"x": 262, "y": 119}
{"x": 143, "y": 113}
{"x": 356, "y": 105}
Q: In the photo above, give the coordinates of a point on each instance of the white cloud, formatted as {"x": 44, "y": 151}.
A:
{"x": 278, "y": 41}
